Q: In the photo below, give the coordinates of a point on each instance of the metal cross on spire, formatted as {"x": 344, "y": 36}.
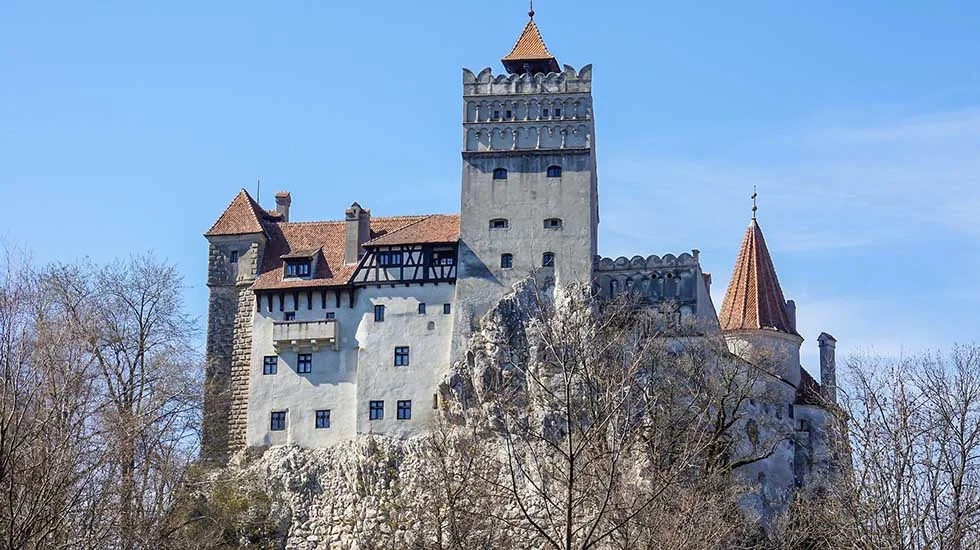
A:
{"x": 530, "y": 12}
{"x": 755, "y": 195}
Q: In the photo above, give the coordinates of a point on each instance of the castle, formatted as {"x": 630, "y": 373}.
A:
{"x": 321, "y": 331}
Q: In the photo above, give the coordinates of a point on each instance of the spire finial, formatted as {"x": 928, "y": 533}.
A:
{"x": 530, "y": 12}
{"x": 755, "y": 207}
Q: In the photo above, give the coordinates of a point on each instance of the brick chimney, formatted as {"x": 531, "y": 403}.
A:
{"x": 283, "y": 200}
{"x": 828, "y": 367}
{"x": 357, "y": 231}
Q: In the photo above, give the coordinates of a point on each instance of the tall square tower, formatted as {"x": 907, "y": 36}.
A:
{"x": 529, "y": 199}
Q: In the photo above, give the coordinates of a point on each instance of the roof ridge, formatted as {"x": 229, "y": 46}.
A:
{"x": 373, "y": 218}
{"x": 389, "y": 233}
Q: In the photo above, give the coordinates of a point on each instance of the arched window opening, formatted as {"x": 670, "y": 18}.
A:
{"x": 548, "y": 259}
{"x": 613, "y": 288}
{"x": 552, "y": 223}
{"x": 499, "y": 223}
{"x": 500, "y": 173}
{"x": 506, "y": 261}
{"x": 554, "y": 171}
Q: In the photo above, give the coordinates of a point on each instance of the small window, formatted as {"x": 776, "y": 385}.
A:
{"x": 500, "y": 173}
{"x": 557, "y": 112}
{"x": 278, "y": 421}
{"x": 506, "y": 261}
{"x": 396, "y": 258}
{"x": 323, "y": 419}
{"x": 330, "y": 315}
{"x": 544, "y": 112}
{"x": 377, "y": 410}
{"x": 447, "y": 309}
{"x": 298, "y": 269}
{"x": 548, "y": 259}
{"x": 384, "y": 258}
{"x": 289, "y": 316}
{"x": 613, "y": 287}
{"x": 499, "y": 223}
{"x": 552, "y": 223}
{"x": 507, "y": 114}
{"x": 304, "y": 363}
{"x": 401, "y": 356}
{"x": 379, "y": 313}
{"x": 421, "y": 308}
{"x": 270, "y": 364}
{"x": 405, "y": 410}
{"x": 443, "y": 257}
{"x": 234, "y": 257}
{"x": 554, "y": 171}
{"x": 496, "y": 115}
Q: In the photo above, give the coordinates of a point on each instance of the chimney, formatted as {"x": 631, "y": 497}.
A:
{"x": 791, "y": 313}
{"x": 283, "y": 200}
{"x": 828, "y": 367}
{"x": 357, "y": 231}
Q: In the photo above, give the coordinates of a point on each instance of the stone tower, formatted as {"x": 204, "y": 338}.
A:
{"x": 529, "y": 199}
{"x": 236, "y": 243}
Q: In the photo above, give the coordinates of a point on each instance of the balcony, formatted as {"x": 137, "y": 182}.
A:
{"x": 297, "y": 334}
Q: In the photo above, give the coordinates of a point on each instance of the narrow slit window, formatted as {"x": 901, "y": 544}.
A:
{"x": 421, "y": 308}
{"x": 379, "y": 313}
{"x": 447, "y": 309}
{"x": 234, "y": 256}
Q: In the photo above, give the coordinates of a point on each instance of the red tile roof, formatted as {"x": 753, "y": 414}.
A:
{"x": 529, "y": 46}
{"x": 809, "y": 391}
{"x": 243, "y": 216}
{"x": 754, "y": 299}
{"x": 438, "y": 228}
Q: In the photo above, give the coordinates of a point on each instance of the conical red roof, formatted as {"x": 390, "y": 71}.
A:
{"x": 754, "y": 299}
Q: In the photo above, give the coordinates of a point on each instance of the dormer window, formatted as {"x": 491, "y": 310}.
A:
{"x": 298, "y": 268}
{"x": 554, "y": 171}
{"x": 500, "y": 173}
{"x": 499, "y": 223}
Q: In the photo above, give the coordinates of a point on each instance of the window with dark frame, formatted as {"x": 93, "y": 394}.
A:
{"x": 499, "y": 173}
{"x": 298, "y": 269}
{"x": 322, "y": 419}
{"x": 447, "y": 309}
{"x": 405, "y": 410}
{"x": 331, "y": 315}
{"x": 443, "y": 257}
{"x": 548, "y": 259}
{"x": 396, "y": 257}
{"x": 544, "y": 113}
{"x": 552, "y": 223}
{"x": 277, "y": 421}
{"x": 304, "y": 363}
{"x": 557, "y": 112}
{"x": 508, "y": 114}
{"x": 234, "y": 257}
{"x": 421, "y": 308}
{"x": 554, "y": 171}
{"x": 401, "y": 356}
{"x": 289, "y": 316}
{"x": 384, "y": 258}
{"x": 499, "y": 223}
{"x": 376, "y": 410}
{"x": 506, "y": 261}
{"x": 379, "y": 313}
{"x": 270, "y": 364}
{"x": 496, "y": 115}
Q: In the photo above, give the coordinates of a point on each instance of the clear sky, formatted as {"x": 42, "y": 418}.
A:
{"x": 129, "y": 126}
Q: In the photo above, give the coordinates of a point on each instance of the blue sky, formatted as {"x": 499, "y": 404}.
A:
{"x": 129, "y": 126}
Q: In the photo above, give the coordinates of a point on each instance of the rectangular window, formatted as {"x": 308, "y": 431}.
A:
{"x": 544, "y": 112}
{"x": 270, "y": 364}
{"x": 506, "y": 261}
{"x": 298, "y": 269}
{"x": 278, "y": 421}
{"x": 377, "y": 410}
{"x": 421, "y": 308}
{"x": 401, "y": 356}
{"x": 405, "y": 410}
{"x": 331, "y": 315}
{"x": 496, "y": 115}
{"x": 557, "y": 112}
{"x": 384, "y": 258}
{"x": 396, "y": 258}
{"x": 443, "y": 257}
{"x": 304, "y": 363}
{"x": 379, "y": 313}
{"x": 234, "y": 256}
{"x": 323, "y": 419}
{"x": 447, "y": 309}
{"x": 507, "y": 114}
{"x": 289, "y": 316}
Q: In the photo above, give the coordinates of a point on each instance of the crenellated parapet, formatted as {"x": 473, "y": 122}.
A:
{"x": 676, "y": 281}
{"x": 567, "y": 81}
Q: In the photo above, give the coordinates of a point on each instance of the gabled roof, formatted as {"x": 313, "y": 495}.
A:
{"x": 438, "y": 228}
{"x": 754, "y": 299}
{"x": 530, "y": 50}
{"x": 243, "y": 216}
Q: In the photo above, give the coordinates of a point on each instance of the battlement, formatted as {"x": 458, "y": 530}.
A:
{"x": 650, "y": 262}
{"x": 567, "y": 81}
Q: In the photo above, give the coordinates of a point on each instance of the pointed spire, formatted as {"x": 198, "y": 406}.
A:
{"x": 529, "y": 54}
{"x": 754, "y": 299}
